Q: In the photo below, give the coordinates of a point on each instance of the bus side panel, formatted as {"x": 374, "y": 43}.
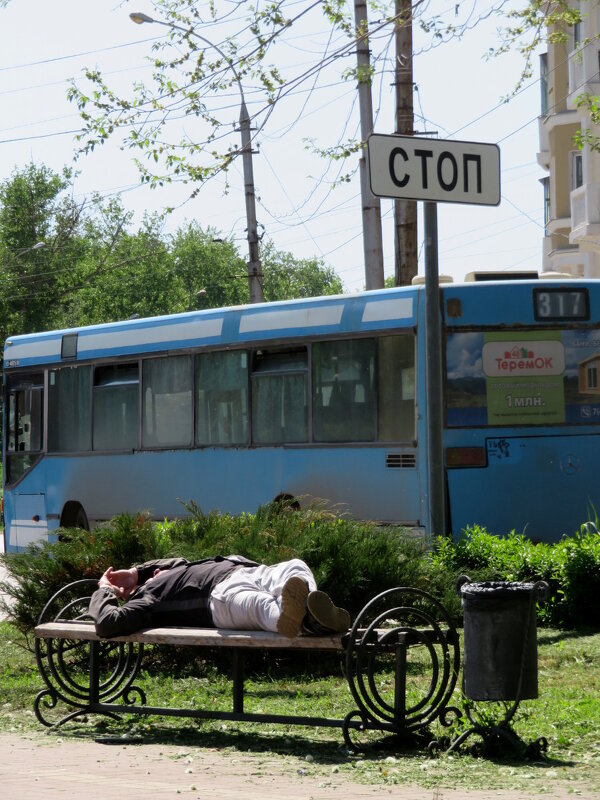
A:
{"x": 357, "y": 481}
{"x": 540, "y": 486}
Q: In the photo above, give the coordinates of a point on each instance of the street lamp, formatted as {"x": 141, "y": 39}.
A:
{"x": 36, "y": 246}
{"x": 254, "y": 265}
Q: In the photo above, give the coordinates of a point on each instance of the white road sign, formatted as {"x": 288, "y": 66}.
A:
{"x": 439, "y": 170}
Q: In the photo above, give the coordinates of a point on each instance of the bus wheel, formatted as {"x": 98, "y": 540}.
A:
{"x": 73, "y": 516}
{"x": 287, "y": 501}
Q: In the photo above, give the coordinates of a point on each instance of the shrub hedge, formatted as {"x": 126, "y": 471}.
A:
{"x": 352, "y": 561}
{"x": 571, "y": 567}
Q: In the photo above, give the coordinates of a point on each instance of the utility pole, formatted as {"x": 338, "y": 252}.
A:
{"x": 254, "y": 266}
{"x": 371, "y": 205}
{"x": 405, "y": 211}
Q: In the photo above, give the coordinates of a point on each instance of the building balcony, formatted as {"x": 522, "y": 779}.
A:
{"x": 585, "y": 216}
{"x": 543, "y": 157}
{"x": 549, "y": 123}
{"x": 558, "y": 225}
{"x": 584, "y": 73}
{"x": 562, "y": 259}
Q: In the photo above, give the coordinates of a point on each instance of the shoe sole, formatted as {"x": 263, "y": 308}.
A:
{"x": 321, "y": 607}
{"x": 293, "y": 607}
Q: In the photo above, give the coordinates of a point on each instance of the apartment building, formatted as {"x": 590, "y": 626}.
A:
{"x": 572, "y": 186}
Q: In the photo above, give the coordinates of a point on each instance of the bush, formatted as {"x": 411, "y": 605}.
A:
{"x": 352, "y": 561}
{"x": 571, "y": 568}
{"x": 41, "y": 570}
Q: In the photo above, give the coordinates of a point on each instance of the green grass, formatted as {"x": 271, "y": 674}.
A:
{"x": 567, "y": 712}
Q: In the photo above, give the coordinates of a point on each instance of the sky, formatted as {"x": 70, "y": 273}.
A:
{"x": 458, "y": 96}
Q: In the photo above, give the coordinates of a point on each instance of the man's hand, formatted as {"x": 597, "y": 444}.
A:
{"x": 121, "y": 581}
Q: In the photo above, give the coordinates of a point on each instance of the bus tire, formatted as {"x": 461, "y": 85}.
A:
{"x": 287, "y": 501}
{"x": 73, "y": 516}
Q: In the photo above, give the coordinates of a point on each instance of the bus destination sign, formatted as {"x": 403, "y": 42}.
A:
{"x": 438, "y": 170}
{"x": 551, "y": 305}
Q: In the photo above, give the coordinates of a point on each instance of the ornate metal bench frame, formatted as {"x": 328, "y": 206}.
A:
{"x": 384, "y": 632}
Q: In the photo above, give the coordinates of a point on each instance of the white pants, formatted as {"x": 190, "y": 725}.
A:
{"x": 250, "y": 598}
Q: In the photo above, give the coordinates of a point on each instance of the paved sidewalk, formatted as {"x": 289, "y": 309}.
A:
{"x": 48, "y": 767}
{"x": 45, "y": 766}
{"x": 3, "y": 575}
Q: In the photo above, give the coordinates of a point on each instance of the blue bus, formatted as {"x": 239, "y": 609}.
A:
{"x": 319, "y": 399}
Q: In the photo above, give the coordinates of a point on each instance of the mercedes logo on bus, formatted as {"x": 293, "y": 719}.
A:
{"x": 569, "y": 464}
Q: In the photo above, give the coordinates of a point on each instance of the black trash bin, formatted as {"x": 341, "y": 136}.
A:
{"x": 500, "y": 649}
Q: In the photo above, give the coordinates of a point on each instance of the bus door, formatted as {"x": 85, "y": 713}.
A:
{"x": 29, "y": 523}
{"x": 24, "y": 443}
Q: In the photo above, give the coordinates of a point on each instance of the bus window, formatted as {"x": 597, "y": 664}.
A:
{"x": 221, "y": 380}
{"x": 167, "y": 405}
{"x": 344, "y": 397}
{"x": 69, "y": 410}
{"x": 396, "y": 395}
{"x": 25, "y": 436}
{"x": 116, "y": 407}
{"x": 279, "y": 396}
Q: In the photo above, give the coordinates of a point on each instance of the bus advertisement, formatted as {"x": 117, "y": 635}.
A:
{"x": 314, "y": 400}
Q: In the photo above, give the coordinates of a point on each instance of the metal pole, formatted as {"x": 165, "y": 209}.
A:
{"x": 254, "y": 265}
{"x": 371, "y": 206}
{"x": 433, "y": 352}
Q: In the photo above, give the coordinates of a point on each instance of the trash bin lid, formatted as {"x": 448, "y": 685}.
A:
{"x": 497, "y": 589}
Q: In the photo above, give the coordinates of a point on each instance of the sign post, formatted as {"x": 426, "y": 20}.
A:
{"x": 434, "y": 170}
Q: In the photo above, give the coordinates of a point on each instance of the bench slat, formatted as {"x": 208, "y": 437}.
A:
{"x": 206, "y": 637}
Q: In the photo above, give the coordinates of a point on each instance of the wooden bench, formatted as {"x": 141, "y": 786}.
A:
{"x": 67, "y": 648}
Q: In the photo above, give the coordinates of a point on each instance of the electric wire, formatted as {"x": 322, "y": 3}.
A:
{"x": 353, "y": 237}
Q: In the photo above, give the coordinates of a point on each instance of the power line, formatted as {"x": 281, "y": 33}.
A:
{"x": 78, "y": 55}
{"x": 291, "y": 93}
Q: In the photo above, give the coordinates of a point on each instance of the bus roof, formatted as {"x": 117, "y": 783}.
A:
{"x": 366, "y": 311}
{"x": 489, "y": 303}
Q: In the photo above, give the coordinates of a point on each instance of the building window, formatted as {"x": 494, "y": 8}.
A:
{"x": 546, "y": 186}
{"x": 592, "y": 377}
{"x": 576, "y": 169}
{"x": 544, "y": 82}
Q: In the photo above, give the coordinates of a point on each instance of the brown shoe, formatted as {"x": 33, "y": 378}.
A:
{"x": 327, "y": 616}
{"x": 293, "y": 606}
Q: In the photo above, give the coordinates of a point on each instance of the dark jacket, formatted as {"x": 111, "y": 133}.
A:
{"x": 179, "y": 596}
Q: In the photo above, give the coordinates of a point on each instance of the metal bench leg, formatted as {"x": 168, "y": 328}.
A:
{"x": 238, "y": 681}
{"x": 94, "y": 673}
{"x": 400, "y": 683}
